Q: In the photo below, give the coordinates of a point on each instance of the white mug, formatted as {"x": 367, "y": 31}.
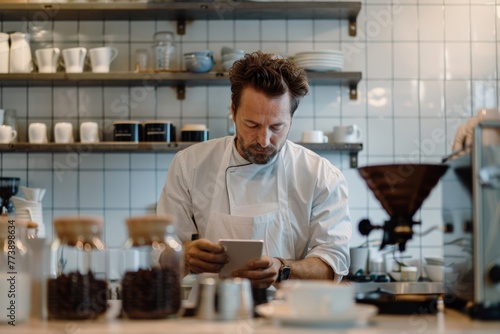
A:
{"x": 317, "y": 298}
{"x": 89, "y": 132}
{"x": 314, "y": 136}
{"x": 37, "y": 133}
{"x": 7, "y": 134}
{"x": 74, "y": 59}
{"x": 47, "y": 59}
{"x": 63, "y": 132}
{"x": 346, "y": 134}
{"x": 101, "y": 58}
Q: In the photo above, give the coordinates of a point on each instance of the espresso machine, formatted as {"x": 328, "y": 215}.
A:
{"x": 471, "y": 214}
{"x": 401, "y": 190}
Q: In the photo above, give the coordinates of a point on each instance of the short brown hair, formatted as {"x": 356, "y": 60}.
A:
{"x": 270, "y": 74}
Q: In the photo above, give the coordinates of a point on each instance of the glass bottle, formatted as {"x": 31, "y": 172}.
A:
{"x": 77, "y": 283}
{"x": 151, "y": 284}
{"x": 163, "y": 50}
{"x": 15, "y": 283}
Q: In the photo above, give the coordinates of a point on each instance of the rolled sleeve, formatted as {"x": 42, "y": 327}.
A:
{"x": 330, "y": 227}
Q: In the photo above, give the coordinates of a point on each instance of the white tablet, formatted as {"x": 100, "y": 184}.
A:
{"x": 240, "y": 251}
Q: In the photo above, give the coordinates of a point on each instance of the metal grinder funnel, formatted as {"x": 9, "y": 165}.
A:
{"x": 401, "y": 189}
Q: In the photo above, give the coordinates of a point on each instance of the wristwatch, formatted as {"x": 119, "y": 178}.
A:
{"x": 285, "y": 272}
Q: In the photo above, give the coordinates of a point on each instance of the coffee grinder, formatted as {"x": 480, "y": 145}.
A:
{"x": 401, "y": 189}
{"x": 9, "y": 186}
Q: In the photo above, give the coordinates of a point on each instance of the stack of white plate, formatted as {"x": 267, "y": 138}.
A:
{"x": 320, "y": 60}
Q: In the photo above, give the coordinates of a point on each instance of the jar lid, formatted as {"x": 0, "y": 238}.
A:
{"x": 126, "y": 122}
{"x": 144, "y": 230}
{"x": 86, "y": 229}
{"x": 164, "y": 36}
{"x": 11, "y": 225}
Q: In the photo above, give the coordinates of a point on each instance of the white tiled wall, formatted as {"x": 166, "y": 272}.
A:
{"x": 427, "y": 66}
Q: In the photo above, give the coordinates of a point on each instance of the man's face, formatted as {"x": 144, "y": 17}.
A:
{"x": 262, "y": 125}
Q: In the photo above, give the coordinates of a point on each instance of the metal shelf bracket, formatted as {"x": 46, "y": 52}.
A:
{"x": 353, "y": 90}
{"x": 352, "y": 26}
{"x": 181, "y": 92}
{"x": 181, "y": 27}
{"x": 353, "y": 159}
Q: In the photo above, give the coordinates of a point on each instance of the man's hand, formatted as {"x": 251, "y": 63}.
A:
{"x": 202, "y": 255}
{"x": 262, "y": 273}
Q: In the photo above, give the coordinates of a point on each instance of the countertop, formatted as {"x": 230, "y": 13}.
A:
{"x": 449, "y": 321}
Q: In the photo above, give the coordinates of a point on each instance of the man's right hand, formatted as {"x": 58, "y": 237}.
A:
{"x": 202, "y": 255}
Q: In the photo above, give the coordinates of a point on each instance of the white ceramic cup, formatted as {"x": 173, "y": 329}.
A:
{"x": 346, "y": 134}
{"x": 89, "y": 132}
{"x": 63, "y": 132}
{"x": 101, "y": 58}
{"x": 317, "y": 298}
{"x": 37, "y": 133}
{"x": 74, "y": 59}
{"x": 47, "y": 59}
{"x": 359, "y": 260}
{"x": 314, "y": 136}
{"x": 7, "y": 134}
{"x": 409, "y": 274}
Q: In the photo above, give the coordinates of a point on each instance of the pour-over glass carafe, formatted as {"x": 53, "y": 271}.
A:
{"x": 9, "y": 186}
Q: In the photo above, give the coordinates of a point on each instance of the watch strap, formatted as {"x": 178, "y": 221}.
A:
{"x": 284, "y": 271}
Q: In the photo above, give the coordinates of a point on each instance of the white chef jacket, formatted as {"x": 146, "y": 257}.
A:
{"x": 308, "y": 191}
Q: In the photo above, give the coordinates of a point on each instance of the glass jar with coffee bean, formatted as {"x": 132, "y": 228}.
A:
{"x": 151, "y": 284}
{"x": 77, "y": 283}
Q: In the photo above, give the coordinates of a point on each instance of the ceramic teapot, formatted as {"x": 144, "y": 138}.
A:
{"x": 20, "y": 53}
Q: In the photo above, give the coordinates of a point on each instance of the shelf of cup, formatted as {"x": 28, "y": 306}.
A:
{"x": 145, "y": 147}
{"x": 202, "y": 10}
{"x": 179, "y": 79}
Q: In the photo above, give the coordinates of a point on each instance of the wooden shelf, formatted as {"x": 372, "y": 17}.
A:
{"x": 180, "y": 80}
{"x": 183, "y": 11}
{"x": 150, "y": 147}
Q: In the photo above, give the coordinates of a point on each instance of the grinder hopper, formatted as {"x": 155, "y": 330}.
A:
{"x": 401, "y": 189}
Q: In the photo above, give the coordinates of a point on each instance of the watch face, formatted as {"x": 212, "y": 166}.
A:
{"x": 285, "y": 273}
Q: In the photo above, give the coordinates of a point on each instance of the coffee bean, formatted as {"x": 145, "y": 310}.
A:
{"x": 74, "y": 296}
{"x": 151, "y": 293}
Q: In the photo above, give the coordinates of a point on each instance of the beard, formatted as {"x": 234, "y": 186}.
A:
{"x": 257, "y": 154}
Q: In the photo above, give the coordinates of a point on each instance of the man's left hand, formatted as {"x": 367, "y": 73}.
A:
{"x": 262, "y": 273}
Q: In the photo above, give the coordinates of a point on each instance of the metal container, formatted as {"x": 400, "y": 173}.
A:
{"x": 224, "y": 299}
{"x": 159, "y": 131}
{"x": 128, "y": 131}
{"x": 471, "y": 193}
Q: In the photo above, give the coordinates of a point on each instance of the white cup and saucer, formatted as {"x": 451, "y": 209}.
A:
{"x": 317, "y": 303}
{"x": 346, "y": 134}
{"x": 314, "y": 137}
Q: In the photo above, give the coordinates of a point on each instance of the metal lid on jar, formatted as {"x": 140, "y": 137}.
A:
{"x": 164, "y": 36}
{"x": 77, "y": 231}
{"x": 148, "y": 229}
{"x": 12, "y": 226}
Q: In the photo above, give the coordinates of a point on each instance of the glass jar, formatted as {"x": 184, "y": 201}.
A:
{"x": 15, "y": 283}
{"x": 77, "y": 283}
{"x": 163, "y": 49}
{"x": 151, "y": 284}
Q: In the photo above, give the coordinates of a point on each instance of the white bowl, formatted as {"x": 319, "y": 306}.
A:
{"x": 435, "y": 273}
{"x": 226, "y": 66}
{"x": 434, "y": 261}
{"x": 227, "y": 50}
{"x": 231, "y": 56}
{"x": 396, "y": 275}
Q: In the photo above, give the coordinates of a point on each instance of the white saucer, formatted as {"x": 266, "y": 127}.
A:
{"x": 359, "y": 314}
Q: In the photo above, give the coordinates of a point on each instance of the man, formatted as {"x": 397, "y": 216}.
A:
{"x": 259, "y": 185}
